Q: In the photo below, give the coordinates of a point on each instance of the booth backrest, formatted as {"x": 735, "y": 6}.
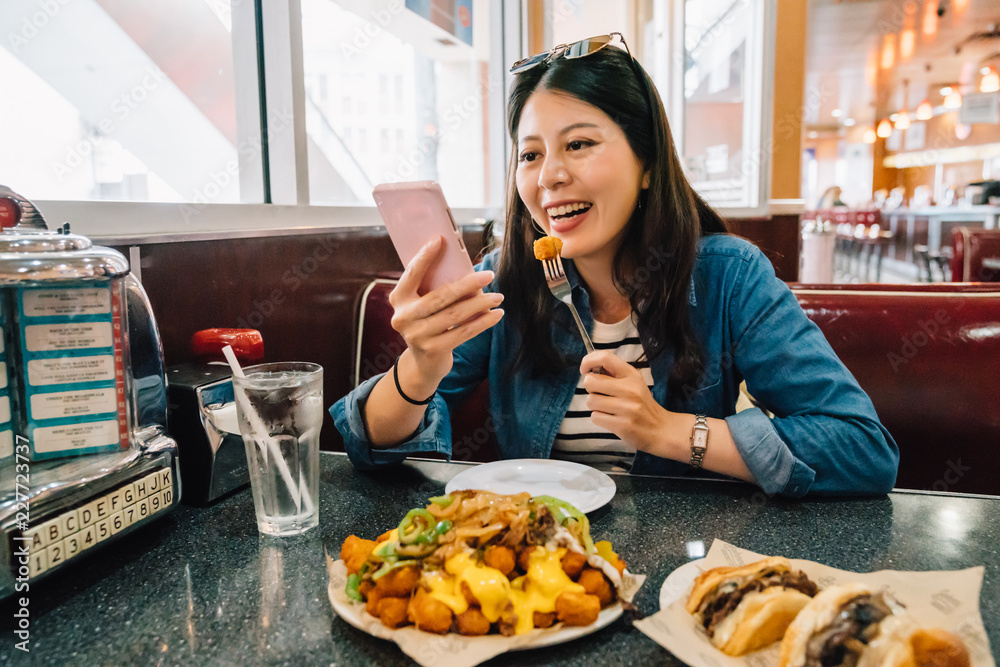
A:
{"x": 928, "y": 356}
{"x": 930, "y": 361}
{"x": 970, "y": 246}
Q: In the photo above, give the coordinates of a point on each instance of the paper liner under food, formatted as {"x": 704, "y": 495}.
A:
{"x": 453, "y": 649}
{"x": 947, "y": 599}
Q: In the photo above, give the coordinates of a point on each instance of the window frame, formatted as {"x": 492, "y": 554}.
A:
{"x": 758, "y": 108}
{"x": 277, "y": 175}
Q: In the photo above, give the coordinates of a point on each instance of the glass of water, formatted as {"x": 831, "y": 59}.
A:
{"x": 280, "y": 410}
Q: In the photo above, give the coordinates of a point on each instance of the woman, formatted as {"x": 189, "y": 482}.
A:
{"x": 682, "y": 313}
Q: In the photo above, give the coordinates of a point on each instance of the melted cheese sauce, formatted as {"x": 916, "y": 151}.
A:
{"x": 535, "y": 591}
{"x": 488, "y": 585}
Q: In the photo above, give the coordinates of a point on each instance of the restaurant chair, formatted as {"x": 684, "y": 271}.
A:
{"x": 976, "y": 254}
{"x": 378, "y": 345}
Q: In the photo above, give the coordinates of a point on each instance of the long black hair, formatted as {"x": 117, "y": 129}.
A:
{"x": 656, "y": 256}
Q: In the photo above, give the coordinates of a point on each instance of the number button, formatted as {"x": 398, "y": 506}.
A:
{"x": 117, "y": 523}
{"x": 72, "y": 546}
{"x": 88, "y": 537}
{"x": 38, "y": 563}
{"x": 103, "y": 528}
{"x": 56, "y": 554}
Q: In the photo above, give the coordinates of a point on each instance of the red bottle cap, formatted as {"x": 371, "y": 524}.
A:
{"x": 247, "y": 344}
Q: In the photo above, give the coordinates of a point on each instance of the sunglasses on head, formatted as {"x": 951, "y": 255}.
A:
{"x": 580, "y": 49}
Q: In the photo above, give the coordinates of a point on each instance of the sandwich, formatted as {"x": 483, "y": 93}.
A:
{"x": 476, "y": 562}
{"x": 856, "y": 626}
{"x": 746, "y": 608}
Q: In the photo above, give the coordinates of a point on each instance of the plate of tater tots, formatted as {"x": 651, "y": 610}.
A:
{"x": 513, "y": 570}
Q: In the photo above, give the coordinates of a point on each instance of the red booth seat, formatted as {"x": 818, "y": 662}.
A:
{"x": 975, "y": 254}
{"x": 928, "y": 356}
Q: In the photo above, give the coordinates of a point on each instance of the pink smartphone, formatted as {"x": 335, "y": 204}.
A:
{"x": 414, "y": 213}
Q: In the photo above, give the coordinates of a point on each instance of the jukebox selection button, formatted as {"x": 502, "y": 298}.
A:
{"x": 102, "y": 529}
{"x": 69, "y": 523}
{"x": 117, "y": 523}
{"x": 102, "y": 508}
{"x": 38, "y": 563}
{"x": 73, "y": 545}
{"x": 88, "y": 537}
{"x": 36, "y": 536}
{"x": 56, "y": 554}
{"x": 51, "y": 532}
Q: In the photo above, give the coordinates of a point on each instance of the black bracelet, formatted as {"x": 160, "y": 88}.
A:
{"x": 395, "y": 376}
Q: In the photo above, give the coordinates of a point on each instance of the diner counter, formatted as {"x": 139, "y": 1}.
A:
{"x": 201, "y": 586}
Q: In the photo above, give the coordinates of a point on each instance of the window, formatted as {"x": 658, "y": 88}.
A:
{"x": 99, "y": 106}
{"x": 713, "y": 72}
{"x": 723, "y": 101}
{"x": 424, "y": 69}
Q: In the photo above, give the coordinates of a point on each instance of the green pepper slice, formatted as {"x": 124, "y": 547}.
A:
{"x": 416, "y": 523}
{"x": 562, "y": 511}
{"x": 443, "y": 501}
{"x": 353, "y": 581}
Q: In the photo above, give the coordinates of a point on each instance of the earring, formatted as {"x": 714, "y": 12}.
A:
{"x": 537, "y": 226}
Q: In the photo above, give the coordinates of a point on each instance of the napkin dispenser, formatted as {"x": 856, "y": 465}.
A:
{"x": 84, "y": 453}
{"x": 203, "y": 419}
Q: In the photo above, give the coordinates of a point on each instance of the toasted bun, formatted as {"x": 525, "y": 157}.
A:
{"x": 709, "y": 580}
{"x": 815, "y": 616}
{"x": 759, "y": 620}
{"x": 933, "y": 647}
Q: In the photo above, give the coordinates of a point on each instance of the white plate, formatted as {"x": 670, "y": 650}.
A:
{"x": 678, "y": 583}
{"x": 583, "y": 487}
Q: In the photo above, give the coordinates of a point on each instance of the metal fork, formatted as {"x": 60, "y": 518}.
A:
{"x": 559, "y": 286}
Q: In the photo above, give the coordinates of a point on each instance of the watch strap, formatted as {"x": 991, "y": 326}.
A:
{"x": 699, "y": 440}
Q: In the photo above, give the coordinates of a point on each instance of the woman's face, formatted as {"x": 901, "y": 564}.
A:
{"x": 576, "y": 173}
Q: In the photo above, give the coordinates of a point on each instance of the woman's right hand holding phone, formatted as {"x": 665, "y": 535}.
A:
{"x": 432, "y": 325}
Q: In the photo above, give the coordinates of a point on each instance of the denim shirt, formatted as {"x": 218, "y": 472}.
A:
{"x": 824, "y": 437}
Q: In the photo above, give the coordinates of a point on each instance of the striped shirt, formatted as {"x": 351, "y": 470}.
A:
{"x": 579, "y": 439}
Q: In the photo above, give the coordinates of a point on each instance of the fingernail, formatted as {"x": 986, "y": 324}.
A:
{"x": 485, "y": 277}
{"x": 496, "y": 297}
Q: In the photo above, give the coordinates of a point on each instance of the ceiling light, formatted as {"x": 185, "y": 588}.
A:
{"x": 929, "y": 26}
{"x": 990, "y": 82}
{"x": 849, "y": 122}
{"x": 902, "y": 120}
{"x": 985, "y": 70}
{"x": 813, "y": 134}
{"x": 925, "y": 111}
{"x": 907, "y": 42}
{"x": 869, "y": 137}
{"x": 888, "y": 51}
{"x": 893, "y": 117}
{"x": 953, "y": 100}
{"x": 836, "y": 112}
{"x": 946, "y": 91}
{"x": 884, "y": 128}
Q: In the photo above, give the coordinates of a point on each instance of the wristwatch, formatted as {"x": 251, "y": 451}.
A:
{"x": 699, "y": 440}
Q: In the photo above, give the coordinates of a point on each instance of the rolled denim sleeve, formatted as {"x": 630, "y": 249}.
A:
{"x": 766, "y": 455}
{"x": 825, "y": 437}
{"x": 433, "y": 434}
